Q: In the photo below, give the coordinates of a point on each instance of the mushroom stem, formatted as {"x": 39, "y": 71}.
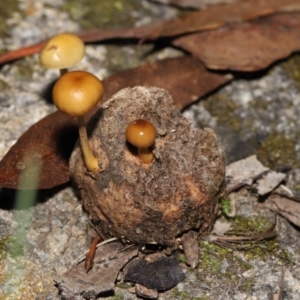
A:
{"x": 145, "y": 155}
{"x": 91, "y": 162}
{"x": 63, "y": 71}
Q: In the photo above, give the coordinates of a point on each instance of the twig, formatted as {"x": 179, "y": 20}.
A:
{"x": 89, "y": 260}
{"x": 83, "y": 256}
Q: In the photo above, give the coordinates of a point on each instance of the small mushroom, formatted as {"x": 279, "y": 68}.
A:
{"x": 141, "y": 134}
{"x": 75, "y": 93}
{"x": 62, "y": 52}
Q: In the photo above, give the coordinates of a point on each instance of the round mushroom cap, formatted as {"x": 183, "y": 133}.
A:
{"x": 62, "y": 51}
{"x": 141, "y": 133}
{"x": 77, "y": 92}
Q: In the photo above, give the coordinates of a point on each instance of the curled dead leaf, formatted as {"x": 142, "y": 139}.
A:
{"x": 248, "y": 46}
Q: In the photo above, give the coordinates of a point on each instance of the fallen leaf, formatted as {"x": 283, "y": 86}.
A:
{"x": 244, "y": 172}
{"x": 52, "y": 140}
{"x": 248, "y": 46}
{"x": 269, "y": 182}
{"x": 211, "y": 18}
{"x": 221, "y": 227}
{"x": 281, "y": 202}
{"x": 217, "y": 16}
{"x": 161, "y": 274}
{"x": 53, "y": 137}
{"x": 190, "y": 246}
{"x": 195, "y": 3}
{"x": 185, "y": 78}
{"x": 143, "y": 292}
{"x": 108, "y": 262}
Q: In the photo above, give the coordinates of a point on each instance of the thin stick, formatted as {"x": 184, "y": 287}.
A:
{"x": 89, "y": 260}
{"x": 83, "y": 256}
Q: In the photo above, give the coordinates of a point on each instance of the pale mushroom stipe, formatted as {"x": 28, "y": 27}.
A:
{"x": 141, "y": 134}
{"x": 62, "y": 52}
{"x": 76, "y": 93}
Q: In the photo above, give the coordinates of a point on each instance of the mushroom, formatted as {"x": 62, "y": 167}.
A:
{"x": 75, "y": 93}
{"x": 141, "y": 134}
{"x": 62, "y": 52}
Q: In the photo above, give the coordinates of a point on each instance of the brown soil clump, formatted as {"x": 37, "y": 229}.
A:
{"x": 156, "y": 202}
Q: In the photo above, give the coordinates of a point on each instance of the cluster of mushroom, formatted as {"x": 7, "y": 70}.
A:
{"x": 75, "y": 93}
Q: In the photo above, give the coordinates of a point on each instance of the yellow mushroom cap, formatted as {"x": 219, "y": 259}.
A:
{"x": 77, "y": 92}
{"x": 141, "y": 133}
{"x": 62, "y": 51}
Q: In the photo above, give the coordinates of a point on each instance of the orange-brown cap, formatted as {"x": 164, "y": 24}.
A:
{"x": 62, "y": 51}
{"x": 77, "y": 92}
{"x": 141, "y": 133}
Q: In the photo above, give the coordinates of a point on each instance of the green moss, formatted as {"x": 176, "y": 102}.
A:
{"x": 259, "y": 249}
{"x": 181, "y": 295}
{"x": 292, "y": 68}
{"x": 213, "y": 256}
{"x": 24, "y": 68}
{"x": 11, "y": 246}
{"x": 117, "y": 297}
{"x": 226, "y": 206}
{"x": 249, "y": 226}
{"x": 278, "y": 150}
{"x": 3, "y": 85}
{"x": 104, "y": 14}
{"x": 123, "y": 285}
{"x": 6, "y": 12}
{"x": 118, "y": 58}
{"x": 181, "y": 258}
{"x": 246, "y": 285}
{"x": 224, "y": 109}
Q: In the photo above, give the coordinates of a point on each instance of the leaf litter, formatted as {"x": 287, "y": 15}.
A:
{"x": 101, "y": 278}
{"x": 212, "y": 18}
{"x": 187, "y": 79}
{"x": 195, "y": 3}
{"x": 54, "y": 136}
{"x": 246, "y": 47}
{"x": 109, "y": 260}
{"x": 268, "y": 186}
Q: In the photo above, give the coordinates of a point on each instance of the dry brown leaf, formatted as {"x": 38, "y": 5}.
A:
{"x": 246, "y": 47}
{"x": 54, "y": 137}
{"x": 195, "y": 3}
{"x": 216, "y": 16}
{"x": 211, "y": 18}
{"x": 52, "y": 140}
{"x": 145, "y": 293}
{"x": 243, "y": 172}
{"x": 280, "y": 202}
{"x": 185, "y": 78}
{"x": 108, "y": 262}
{"x": 221, "y": 227}
{"x": 269, "y": 182}
{"x": 190, "y": 246}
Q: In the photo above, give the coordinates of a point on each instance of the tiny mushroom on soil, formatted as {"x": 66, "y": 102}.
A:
{"x": 141, "y": 134}
{"x": 76, "y": 93}
{"x": 62, "y": 52}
